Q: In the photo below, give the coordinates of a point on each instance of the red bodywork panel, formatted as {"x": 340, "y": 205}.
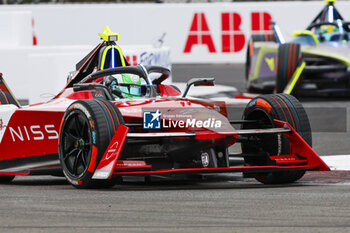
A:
{"x": 33, "y": 131}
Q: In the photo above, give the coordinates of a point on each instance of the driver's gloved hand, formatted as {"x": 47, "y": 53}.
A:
{"x": 111, "y": 82}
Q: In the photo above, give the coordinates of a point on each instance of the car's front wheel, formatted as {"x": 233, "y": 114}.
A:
{"x": 289, "y": 57}
{"x": 264, "y": 109}
{"x": 88, "y": 127}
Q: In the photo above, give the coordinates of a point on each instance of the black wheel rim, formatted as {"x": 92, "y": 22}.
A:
{"x": 76, "y": 144}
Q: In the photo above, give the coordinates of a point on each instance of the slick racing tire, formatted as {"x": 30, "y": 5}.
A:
{"x": 289, "y": 57}
{"x": 6, "y": 179}
{"x": 6, "y": 98}
{"x": 265, "y": 109}
{"x": 86, "y": 131}
{"x": 250, "y": 52}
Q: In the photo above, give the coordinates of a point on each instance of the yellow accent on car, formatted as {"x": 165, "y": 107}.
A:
{"x": 271, "y": 63}
{"x": 341, "y": 58}
{"x": 329, "y": 1}
{"x": 306, "y": 33}
{"x": 259, "y": 60}
{"x": 104, "y": 55}
{"x": 108, "y": 35}
{"x": 295, "y": 77}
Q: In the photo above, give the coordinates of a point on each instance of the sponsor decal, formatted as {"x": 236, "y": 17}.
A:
{"x": 187, "y": 118}
{"x": 33, "y": 132}
{"x": 132, "y": 60}
{"x": 271, "y": 63}
{"x": 94, "y": 137}
{"x": 192, "y": 123}
{"x": 112, "y": 150}
{"x": 205, "y": 159}
{"x": 98, "y": 94}
{"x": 149, "y": 58}
{"x": 232, "y": 37}
{"x": 151, "y": 119}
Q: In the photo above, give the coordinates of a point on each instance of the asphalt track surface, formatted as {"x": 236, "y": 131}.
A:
{"x": 319, "y": 202}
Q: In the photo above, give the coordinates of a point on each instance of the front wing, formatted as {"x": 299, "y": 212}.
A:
{"x": 302, "y": 156}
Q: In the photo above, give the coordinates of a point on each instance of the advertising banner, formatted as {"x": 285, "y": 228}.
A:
{"x": 196, "y": 33}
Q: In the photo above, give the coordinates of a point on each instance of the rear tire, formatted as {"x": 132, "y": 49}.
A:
{"x": 6, "y": 98}
{"x": 250, "y": 51}
{"x": 266, "y": 108}
{"x": 289, "y": 57}
{"x": 6, "y": 179}
{"x": 88, "y": 127}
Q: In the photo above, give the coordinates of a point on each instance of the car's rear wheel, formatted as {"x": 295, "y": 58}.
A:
{"x": 250, "y": 52}
{"x": 289, "y": 57}
{"x": 6, "y": 98}
{"x": 265, "y": 109}
{"x": 6, "y": 179}
{"x": 88, "y": 127}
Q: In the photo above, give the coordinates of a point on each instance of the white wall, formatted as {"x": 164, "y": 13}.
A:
{"x": 37, "y": 73}
{"x": 143, "y": 23}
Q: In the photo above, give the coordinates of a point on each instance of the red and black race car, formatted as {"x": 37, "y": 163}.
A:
{"x": 122, "y": 121}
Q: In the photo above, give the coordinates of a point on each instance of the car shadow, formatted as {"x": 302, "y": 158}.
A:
{"x": 158, "y": 184}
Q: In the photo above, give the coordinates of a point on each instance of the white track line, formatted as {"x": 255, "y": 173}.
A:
{"x": 337, "y": 162}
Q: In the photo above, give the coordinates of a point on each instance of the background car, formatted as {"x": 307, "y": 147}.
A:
{"x": 315, "y": 61}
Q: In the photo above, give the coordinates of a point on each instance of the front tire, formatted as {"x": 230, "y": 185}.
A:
{"x": 6, "y": 98}
{"x": 265, "y": 109}
{"x": 88, "y": 127}
{"x": 6, "y": 179}
{"x": 289, "y": 57}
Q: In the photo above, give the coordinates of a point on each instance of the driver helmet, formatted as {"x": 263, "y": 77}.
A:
{"x": 329, "y": 32}
{"x": 128, "y": 84}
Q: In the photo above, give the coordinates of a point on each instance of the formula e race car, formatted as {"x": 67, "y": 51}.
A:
{"x": 100, "y": 128}
{"x": 315, "y": 62}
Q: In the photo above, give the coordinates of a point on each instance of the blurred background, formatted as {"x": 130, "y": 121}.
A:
{"x": 42, "y": 40}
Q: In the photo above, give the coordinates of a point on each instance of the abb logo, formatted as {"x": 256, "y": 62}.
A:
{"x": 33, "y": 132}
{"x": 232, "y": 37}
{"x": 132, "y": 60}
